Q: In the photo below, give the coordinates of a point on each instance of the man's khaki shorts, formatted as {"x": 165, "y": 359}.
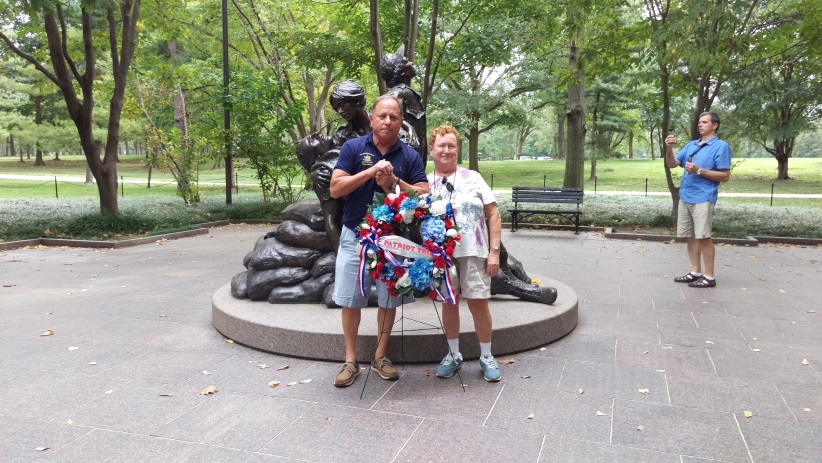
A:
{"x": 695, "y": 220}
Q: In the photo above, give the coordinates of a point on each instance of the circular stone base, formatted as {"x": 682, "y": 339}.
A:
{"x": 315, "y": 331}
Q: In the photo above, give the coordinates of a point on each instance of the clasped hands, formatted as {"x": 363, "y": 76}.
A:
{"x": 384, "y": 174}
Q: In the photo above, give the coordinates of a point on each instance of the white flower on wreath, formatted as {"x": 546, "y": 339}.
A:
{"x": 404, "y": 281}
{"x": 407, "y": 215}
{"x": 451, "y": 233}
{"x": 438, "y": 208}
{"x": 392, "y": 196}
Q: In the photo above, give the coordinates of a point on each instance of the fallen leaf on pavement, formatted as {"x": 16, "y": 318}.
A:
{"x": 69, "y": 422}
{"x": 206, "y": 373}
{"x": 166, "y": 395}
{"x": 708, "y": 342}
{"x": 640, "y": 428}
{"x": 581, "y": 391}
{"x": 806, "y": 409}
{"x": 525, "y": 376}
{"x": 46, "y": 333}
{"x": 292, "y": 383}
{"x": 507, "y": 361}
{"x": 209, "y": 390}
{"x": 41, "y": 449}
{"x": 305, "y": 381}
{"x": 748, "y": 413}
{"x": 426, "y": 373}
{"x": 73, "y": 348}
{"x": 92, "y": 363}
{"x": 530, "y": 417}
{"x": 284, "y": 367}
{"x": 667, "y": 347}
{"x": 599, "y": 413}
{"x": 805, "y": 362}
{"x": 644, "y": 391}
{"x": 274, "y": 383}
{"x": 263, "y": 365}
{"x": 230, "y": 341}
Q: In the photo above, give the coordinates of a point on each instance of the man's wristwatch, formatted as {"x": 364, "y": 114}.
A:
{"x": 495, "y": 248}
{"x": 395, "y": 185}
{"x": 699, "y": 171}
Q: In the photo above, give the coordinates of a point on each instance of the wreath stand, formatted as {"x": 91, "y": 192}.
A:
{"x": 401, "y": 322}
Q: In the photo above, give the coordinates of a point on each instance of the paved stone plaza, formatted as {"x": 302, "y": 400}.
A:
{"x": 654, "y": 372}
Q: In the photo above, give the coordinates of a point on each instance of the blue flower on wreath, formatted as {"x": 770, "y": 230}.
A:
{"x": 409, "y": 203}
{"x": 420, "y": 274}
{"x": 382, "y": 214}
{"x": 433, "y": 229}
{"x": 387, "y": 272}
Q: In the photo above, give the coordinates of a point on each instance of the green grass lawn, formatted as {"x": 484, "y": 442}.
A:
{"x": 29, "y": 208}
{"x": 749, "y": 175}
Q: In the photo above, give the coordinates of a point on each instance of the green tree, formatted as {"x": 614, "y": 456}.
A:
{"x": 74, "y": 58}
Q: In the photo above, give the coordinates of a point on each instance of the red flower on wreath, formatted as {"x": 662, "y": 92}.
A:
{"x": 439, "y": 262}
{"x": 433, "y": 295}
{"x": 399, "y": 271}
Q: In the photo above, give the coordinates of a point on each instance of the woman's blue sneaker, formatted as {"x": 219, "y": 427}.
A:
{"x": 449, "y": 366}
{"x": 490, "y": 368}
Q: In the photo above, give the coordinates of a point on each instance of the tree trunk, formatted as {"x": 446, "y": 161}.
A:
{"x": 631, "y": 144}
{"x": 89, "y": 177}
{"x": 12, "y": 149}
{"x": 38, "y": 156}
{"x": 473, "y": 144}
{"x": 376, "y": 37}
{"x": 596, "y": 143}
{"x": 783, "y": 149}
{"x": 412, "y": 19}
{"x": 560, "y": 140}
{"x": 575, "y": 113}
{"x": 125, "y": 145}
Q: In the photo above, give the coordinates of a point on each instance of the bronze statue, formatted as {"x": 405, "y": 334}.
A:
{"x": 318, "y": 153}
{"x": 397, "y": 72}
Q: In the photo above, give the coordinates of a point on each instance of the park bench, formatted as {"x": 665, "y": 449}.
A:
{"x": 521, "y": 195}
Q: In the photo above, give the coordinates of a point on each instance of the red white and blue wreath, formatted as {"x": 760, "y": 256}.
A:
{"x": 424, "y": 268}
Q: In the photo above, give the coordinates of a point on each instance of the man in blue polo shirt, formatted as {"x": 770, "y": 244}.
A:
{"x": 707, "y": 163}
{"x": 377, "y": 161}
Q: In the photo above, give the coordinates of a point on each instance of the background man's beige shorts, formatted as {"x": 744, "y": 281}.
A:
{"x": 695, "y": 220}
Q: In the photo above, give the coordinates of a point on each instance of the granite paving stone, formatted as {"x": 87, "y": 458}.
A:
{"x": 761, "y": 365}
{"x": 664, "y": 357}
{"x": 695, "y": 432}
{"x": 335, "y": 433}
{"x": 615, "y": 381}
{"x": 136, "y": 408}
{"x": 560, "y": 414}
{"x": 165, "y": 365}
{"x": 443, "y": 441}
{"x": 727, "y": 394}
{"x": 22, "y": 437}
{"x": 580, "y": 347}
{"x": 701, "y": 337}
{"x": 557, "y": 449}
{"x": 773, "y": 440}
{"x": 805, "y": 401}
{"x": 216, "y": 421}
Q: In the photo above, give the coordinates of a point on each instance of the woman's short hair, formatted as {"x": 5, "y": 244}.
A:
{"x": 444, "y": 129}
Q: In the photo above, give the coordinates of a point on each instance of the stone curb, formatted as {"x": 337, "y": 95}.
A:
{"x": 200, "y": 229}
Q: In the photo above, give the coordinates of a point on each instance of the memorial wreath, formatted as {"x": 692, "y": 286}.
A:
{"x": 424, "y": 268}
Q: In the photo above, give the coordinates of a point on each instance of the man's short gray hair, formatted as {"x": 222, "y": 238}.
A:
{"x": 387, "y": 97}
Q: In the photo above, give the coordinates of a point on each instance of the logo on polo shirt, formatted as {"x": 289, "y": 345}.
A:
{"x": 367, "y": 159}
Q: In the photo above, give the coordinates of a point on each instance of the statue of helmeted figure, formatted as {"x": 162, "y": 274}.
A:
{"x": 318, "y": 154}
{"x": 397, "y": 72}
